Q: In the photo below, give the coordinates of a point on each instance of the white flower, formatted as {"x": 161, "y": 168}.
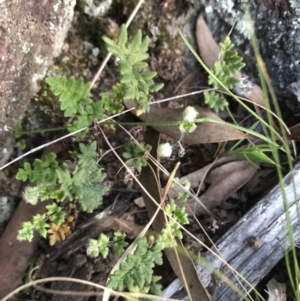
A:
{"x": 31, "y": 195}
{"x": 190, "y": 114}
{"x": 164, "y": 150}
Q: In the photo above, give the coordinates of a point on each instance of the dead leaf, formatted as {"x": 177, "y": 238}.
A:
{"x": 58, "y": 233}
{"x": 255, "y": 96}
{"x": 196, "y": 177}
{"x": 223, "y": 181}
{"x": 276, "y": 290}
{"x": 139, "y": 202}
{"x": 210, "y": 52}
{"x": 295, "y": 130}
{"x": 15, "y": 255}
{"x": 207, "y": 132}
{"x": 208, "y": 48}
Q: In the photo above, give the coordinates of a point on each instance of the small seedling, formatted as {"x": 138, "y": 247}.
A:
{"x": 136, "y": 155}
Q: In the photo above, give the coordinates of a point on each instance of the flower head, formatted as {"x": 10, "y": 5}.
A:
{"x": 190, "y": 114}
{"x": 164, "y": 150}
{"x": 31, "y": 195}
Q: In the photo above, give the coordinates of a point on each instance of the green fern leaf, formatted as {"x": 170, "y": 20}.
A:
{"x": 156, "y": 87}
{"x": 145, "y": 44}
{"x": 109, "y": 41}
{"x": 129, "y": 283}
{"x": 125, "y": 67}
{"x": 143, "y": 86}
{"x": 24, "y": 173}
{"x": 157, "y": 258}
{"x": 129, "y": 79}
{"x": 88, "y": 152}
{"x": 135, "y": 43}
{"x": 130, "y": 93}
{"x": 103, "y": 245}
{"x": 156, "y": 289}
{"x": 140, "y": 57}
{"x": 140, "y": 66}
{"x": 58, "y": 217}
{"x": 149, "y": 75}
{"x": 148, "y": 275}
{"x": 225, "y": 71}
{"x": 26, "y": 232}
{"x": 122, "y": 37}
{"x": 40, "y": 225}
{"x": 71, "y": 92}
{"x": 114, "y": 49}
{"x": 215, "y": 101}
{"x": 91, "y": 197}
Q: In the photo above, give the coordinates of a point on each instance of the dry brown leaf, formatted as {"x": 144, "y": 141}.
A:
{"x": 223, "y": 181}
{"x": 295, "y": 130}
{"x": 256, "y": 96}
{"x": 196, "y": 177}
{"x": 128, "y": 227}
{"x": 210, "y": 51}
{"x": 15, "y": 255}
{"x": 207, "y": 132}
{"x": 58, "y": 233}
{"x": 208, "y": 48}
{"x": 139, "y": 202}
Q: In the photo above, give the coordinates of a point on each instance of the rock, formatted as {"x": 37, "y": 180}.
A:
{"x": 31, "y": 35}
{"x": 277, "y": 28}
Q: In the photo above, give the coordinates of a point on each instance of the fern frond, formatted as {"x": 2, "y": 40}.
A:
{"x": 215, "y": 101}
{"x": 132, "y": 54}
{"x": 224, "y": 71}
{"x": 72, "y": 93}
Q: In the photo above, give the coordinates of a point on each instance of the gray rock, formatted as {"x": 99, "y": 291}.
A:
{"x": 31, "y": 34}
{"x": 7, "y": 207}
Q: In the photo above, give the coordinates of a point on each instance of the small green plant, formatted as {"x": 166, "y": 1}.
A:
{"x": 135, "y": 274}
{"x": 101, "y": 246}
{"x": 21, "y": 144}
{"x": 75, "y": 101}
{"x": 136, "y": 155}
{"x": 18, "y": 132}
{"x": 135, "y": 82}
{"x": 224, "y": 70}
{"x": 188, "y": 124}
{"x": 77, "y": 183}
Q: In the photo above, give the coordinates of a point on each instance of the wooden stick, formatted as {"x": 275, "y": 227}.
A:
{"x": 253, "y": 245}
